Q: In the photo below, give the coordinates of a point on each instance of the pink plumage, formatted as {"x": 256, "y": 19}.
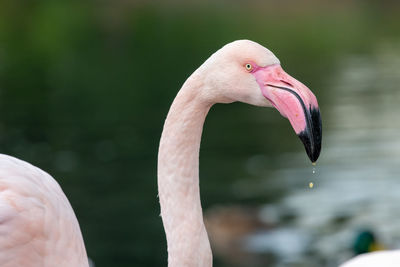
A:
{"x": 38, "y": 227}
{"x": 375, "y": 259}
{"x": 240, "y": 71}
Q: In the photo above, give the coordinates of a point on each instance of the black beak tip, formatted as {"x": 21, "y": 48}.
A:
{"x": 312, "y": 135}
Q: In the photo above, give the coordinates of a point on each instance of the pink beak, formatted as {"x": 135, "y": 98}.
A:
{"x": 295, "y": 102}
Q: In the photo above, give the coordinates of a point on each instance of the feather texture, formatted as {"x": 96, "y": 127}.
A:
{"x": 38, "y": 226}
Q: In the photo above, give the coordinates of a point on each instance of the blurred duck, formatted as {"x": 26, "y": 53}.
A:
{"x": 370, "y": 253}
{"x": 365, "y": 242}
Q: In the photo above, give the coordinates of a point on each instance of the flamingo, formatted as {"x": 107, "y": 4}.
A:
{"x": 390, "y": 258}
{"x": 38, "y": 227}
{"x": 241, "y": 71}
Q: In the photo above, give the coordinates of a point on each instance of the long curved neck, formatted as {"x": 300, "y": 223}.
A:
{"x": 178, "y": 179}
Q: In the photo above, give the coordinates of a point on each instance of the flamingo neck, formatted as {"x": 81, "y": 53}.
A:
{"x": 178, "y": 179}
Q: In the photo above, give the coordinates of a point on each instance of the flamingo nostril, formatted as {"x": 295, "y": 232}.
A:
{"x": 287, "y": 83}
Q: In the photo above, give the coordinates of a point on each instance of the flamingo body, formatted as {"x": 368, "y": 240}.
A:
{"x": 375, "y": 259}
{"x": 38, "y": 227}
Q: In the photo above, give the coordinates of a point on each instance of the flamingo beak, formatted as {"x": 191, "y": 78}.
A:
{"x": 295, "y": 102}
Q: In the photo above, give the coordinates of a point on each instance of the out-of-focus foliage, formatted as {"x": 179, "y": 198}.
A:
{"x": 85, "y": 87}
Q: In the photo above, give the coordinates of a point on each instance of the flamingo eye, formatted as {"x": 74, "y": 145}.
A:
{"x": 249, "y": 67}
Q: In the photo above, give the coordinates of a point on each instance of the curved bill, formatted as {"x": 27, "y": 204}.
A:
{"x": 295, "y": 102}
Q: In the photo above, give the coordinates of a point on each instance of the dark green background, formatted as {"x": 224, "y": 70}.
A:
{"x": 85, "y": 87}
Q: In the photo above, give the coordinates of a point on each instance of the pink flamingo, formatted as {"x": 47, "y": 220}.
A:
{"x": 38, "y": 227}
{"x": 390, "y": 258}
{"x": 240, "y": 71}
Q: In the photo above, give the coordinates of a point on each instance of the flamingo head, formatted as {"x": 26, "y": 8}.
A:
{"x": 248, "y": 72}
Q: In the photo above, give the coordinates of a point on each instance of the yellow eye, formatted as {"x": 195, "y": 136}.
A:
{"x": 249, "y": 67}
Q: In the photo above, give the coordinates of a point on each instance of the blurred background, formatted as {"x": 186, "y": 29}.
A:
{"x": 85, "y": 87}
